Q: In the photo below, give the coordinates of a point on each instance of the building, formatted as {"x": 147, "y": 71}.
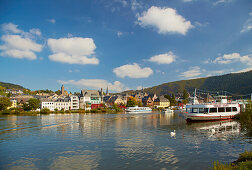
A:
{"x": 89, "y": 97}
{"x": 63, "y": 91}
{"x": 13, "y": 104}
{"x": 59, "y": 104}
{"x": 161, "y": 102}
{"x": 147, "y": 101}
{"x": 75, "y": 103}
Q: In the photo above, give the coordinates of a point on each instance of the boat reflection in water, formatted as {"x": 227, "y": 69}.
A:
{"x": 217, "y": 130}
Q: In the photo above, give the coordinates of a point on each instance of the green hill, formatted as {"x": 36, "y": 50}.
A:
{"x": 236, "y": 83}
{"x": 11, "y": 86}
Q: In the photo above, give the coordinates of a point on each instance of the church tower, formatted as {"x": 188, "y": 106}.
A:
{"x": 62, "y": 90}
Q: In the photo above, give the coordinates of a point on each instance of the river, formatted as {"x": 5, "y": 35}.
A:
{"x": 117, "y": 141}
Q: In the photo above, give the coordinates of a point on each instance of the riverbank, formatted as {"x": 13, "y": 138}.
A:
{"x": 243, "y": 162}
{"x": 47, "y": 111}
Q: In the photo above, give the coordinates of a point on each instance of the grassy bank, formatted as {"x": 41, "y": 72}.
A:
{"x": 21, "y": 112}
{"x": 245, "y": 119}
{"x": 244, "y": 162}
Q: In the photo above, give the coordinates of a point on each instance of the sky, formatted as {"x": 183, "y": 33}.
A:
{"x": 121, "y": 44}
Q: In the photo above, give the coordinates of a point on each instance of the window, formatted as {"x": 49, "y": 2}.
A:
{"x": 213, "y": 110}
{"x": 188, "y": 110}
{"x": 201, "y": 110}
{"x": 234, "y": 109}
{"x": 206, "y": 110}
{"x": 221, "y": 109}
{"x": 228, "y": 109}
{"x": 195, "y": 110}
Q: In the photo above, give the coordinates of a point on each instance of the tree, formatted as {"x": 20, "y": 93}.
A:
{"x": 4, "y": 103}
{"x": 58, "y": 92}
{"x": 33, "y": 103}
{"x": 131, "y": 102}
{"x": 185, "y": 96}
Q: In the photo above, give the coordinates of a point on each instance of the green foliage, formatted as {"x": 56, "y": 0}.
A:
{"x": 245, "y": 119}
{"x": 172, "y": 99}
{"x": 26, "y": 107}
{"x": 45, "y": 111}
{"x": 185, "y": 96}
{"x": 11, "y": 86}
{"x": 131, "y": 102}
{"x": 243, "y": 162}
{"x": 116, "y": 108}
{"x": 58, "y": 92}
{"x": 4, "y": 103}
{"x": 45, "y": 91}
{"x": 33, "y": 103}
{"x": 237, "y": 83}
{"x": 139, "y": 103}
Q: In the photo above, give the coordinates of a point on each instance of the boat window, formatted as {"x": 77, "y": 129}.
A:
{"x": 213, "y": 110}
{"x": 205, "y": 110}
{"x": 221, "y": 109}
{"x": 228, "y": 109}
{"x": 188, "y": 110}
{"x": 201, "y": 110}
{"x": 234, "y": 109}
{"x": 194, "y": 110}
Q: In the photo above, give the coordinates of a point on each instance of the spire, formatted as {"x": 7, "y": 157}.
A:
{"x": 107, "y": 91}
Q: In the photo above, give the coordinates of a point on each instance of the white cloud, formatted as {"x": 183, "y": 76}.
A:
{"x": 166, "y": 58}
{"x": 96, "y": 84}
{"x": 136, "y": 5}
{"x": 187, "y": 0}
{"x": 53, "y": 21}
{"x": 234, "y": 57}
{"x": 19, "y": 46}
{"x": 243, "y": 70}
{"x": 35, "y": 31}
{"x": 222, "y": 2}
{"x": 248, "y": 24}
{"x": 123, "y": 2}
{"x": 119, "y": 33}
{"x": 166, "y": 20}
{"x": 12, "y": 28}
{"x": 193, "y": 72}
{"x": 132, "y": 71}
{"x": 75, "y": 50}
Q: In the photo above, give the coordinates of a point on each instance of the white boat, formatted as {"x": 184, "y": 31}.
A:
{"x": 137, "y": 109}
{"x": 167, "y": 110}
{"x": 221, "y": 109}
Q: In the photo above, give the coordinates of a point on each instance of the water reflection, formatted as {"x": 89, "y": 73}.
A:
{"x": 115, "y": 141}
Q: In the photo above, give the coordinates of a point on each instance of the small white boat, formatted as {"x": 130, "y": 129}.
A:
{"x": 137, "y": 109}
{"x": 221, "y": 109}
{"x": 167, "y": 110}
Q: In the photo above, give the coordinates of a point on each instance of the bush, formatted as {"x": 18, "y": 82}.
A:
{"x": 45, "y": 111}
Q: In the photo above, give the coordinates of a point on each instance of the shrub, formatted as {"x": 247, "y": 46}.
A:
{"x": 45, "y": 111}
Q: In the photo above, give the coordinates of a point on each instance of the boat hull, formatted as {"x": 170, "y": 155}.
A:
{"x": 208, "y": 117}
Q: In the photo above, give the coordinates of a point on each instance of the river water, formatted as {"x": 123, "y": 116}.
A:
{"x": 117, "y": 141}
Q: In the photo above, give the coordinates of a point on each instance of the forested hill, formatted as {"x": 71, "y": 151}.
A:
{"x": 237, "y": 83}
{"x": 11, "y": 86}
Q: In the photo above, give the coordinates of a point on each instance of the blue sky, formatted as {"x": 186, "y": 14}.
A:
{"x": 122, "y": 44}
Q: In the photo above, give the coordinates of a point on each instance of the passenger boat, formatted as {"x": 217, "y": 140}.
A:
{"x": 167, "y": 110}
{"x": 221, "y": 109}
{"x": 137, "y": 109}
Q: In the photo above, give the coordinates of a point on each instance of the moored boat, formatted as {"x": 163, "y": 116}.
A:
{"x": 221, "y": 109}
{"x": 137, "y": 109}
{"x": 167, "y": 110}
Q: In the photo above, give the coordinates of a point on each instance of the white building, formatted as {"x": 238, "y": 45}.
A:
{"x": 60, "y": 104}
{"x": 74, "y": 105}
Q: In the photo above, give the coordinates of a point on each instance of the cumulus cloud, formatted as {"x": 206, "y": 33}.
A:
{"x": 132, "y": 71}
{"x": 19, "y": 44}
{"x": 136, "y": 5}
{"x": 74, "y": 50}
{"x": 248, "y": 24}
{"x": 234, "y": 57}
{"x": 193, "y": 72}
{"x": 165, "y": 20}
{"x": 166, "y": 58}
{"x": 96, "y": 84}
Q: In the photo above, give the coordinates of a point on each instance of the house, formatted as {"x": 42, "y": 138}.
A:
{"x": 59, "y": 104}
{"x": 13, "y": 104}
{"x": 161, "y": 102}
{"x": 89, "y": 97}
{"x": 147, "y": 101}
{"x": 74, "y": 105}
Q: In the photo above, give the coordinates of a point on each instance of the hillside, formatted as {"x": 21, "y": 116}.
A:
{"x": 11, "y": 86}
{"x": 237, "y": 83}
